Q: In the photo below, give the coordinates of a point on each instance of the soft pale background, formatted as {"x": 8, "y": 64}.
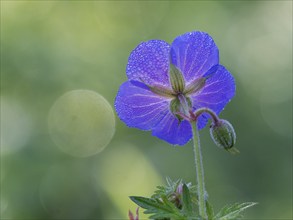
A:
{"x": 51, "y": 47}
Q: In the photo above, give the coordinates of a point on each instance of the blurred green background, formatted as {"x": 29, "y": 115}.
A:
{"x": 51, "y": 47}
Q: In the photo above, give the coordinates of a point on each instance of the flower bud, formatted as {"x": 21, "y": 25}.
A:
{"x": 131, "y": 216}
{"x": 223, "y": 135}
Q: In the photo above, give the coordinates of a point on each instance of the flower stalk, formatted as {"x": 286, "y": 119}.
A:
{"x": 166, "y": 83}
{"x": 199, "y": 172}
{"x": 199, "y": 111}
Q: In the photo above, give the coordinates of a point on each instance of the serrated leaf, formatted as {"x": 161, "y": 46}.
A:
{"x": 169, "y": 204}
{"x": 150, "y": 204}
{"x": 193, "y": 218}
{"x": 159, "y": 209}
{"x": 160, "y": 187}
{"x": 169, "y": 181}
{"x": 233, "y": 211}
{"x": 165, "y": 215}
{"x": 186, "y": 200}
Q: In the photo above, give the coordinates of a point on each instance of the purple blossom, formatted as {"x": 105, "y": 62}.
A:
{"x": 161, "y": 76}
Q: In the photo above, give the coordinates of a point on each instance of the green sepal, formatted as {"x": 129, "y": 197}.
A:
{"x": 176, "y": 79}
{"x": 159, "y": 89}
{"x": 162, "y": 91}
{"x": 176, "y": 106}
{"x": 195, "y": 86}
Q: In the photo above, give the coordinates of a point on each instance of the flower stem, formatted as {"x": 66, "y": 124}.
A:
{"x": 199, "y": 172}
{"x": 199, "y": 111}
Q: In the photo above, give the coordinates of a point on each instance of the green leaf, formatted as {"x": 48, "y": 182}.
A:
{"x": 169, "y": 181}
{"x": 169, "y": 204}
{"x": 150, "y": 204}
{"x": 210, "y": 211}
{"x": 233, "y": 211}
{"x": 158, "y": 209}
{"x": 172, "y": 185}
{"x": 165, "y": 215}
{"x": 186, "y": 200}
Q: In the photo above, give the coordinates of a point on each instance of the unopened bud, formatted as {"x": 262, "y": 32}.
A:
{"x": 223, "y": 135}
{"x": 131, "y": 216}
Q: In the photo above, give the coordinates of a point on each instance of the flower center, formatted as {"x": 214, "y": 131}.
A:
{"x": 181, "y": 105}
{"x": 180, "y": 92}
{"x": 181, "y": 102}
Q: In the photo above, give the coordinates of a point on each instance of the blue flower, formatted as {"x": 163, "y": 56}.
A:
{"x": 161, "y": 77}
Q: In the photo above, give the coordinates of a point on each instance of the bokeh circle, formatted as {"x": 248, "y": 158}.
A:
{"x": 81, "y": 123}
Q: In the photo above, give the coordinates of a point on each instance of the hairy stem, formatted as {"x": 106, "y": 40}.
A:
{"x": 199, "y": 111}
{"x": 199, "y": 172}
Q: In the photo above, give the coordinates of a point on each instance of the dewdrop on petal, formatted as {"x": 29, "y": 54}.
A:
{"x": 223, "y": 135}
